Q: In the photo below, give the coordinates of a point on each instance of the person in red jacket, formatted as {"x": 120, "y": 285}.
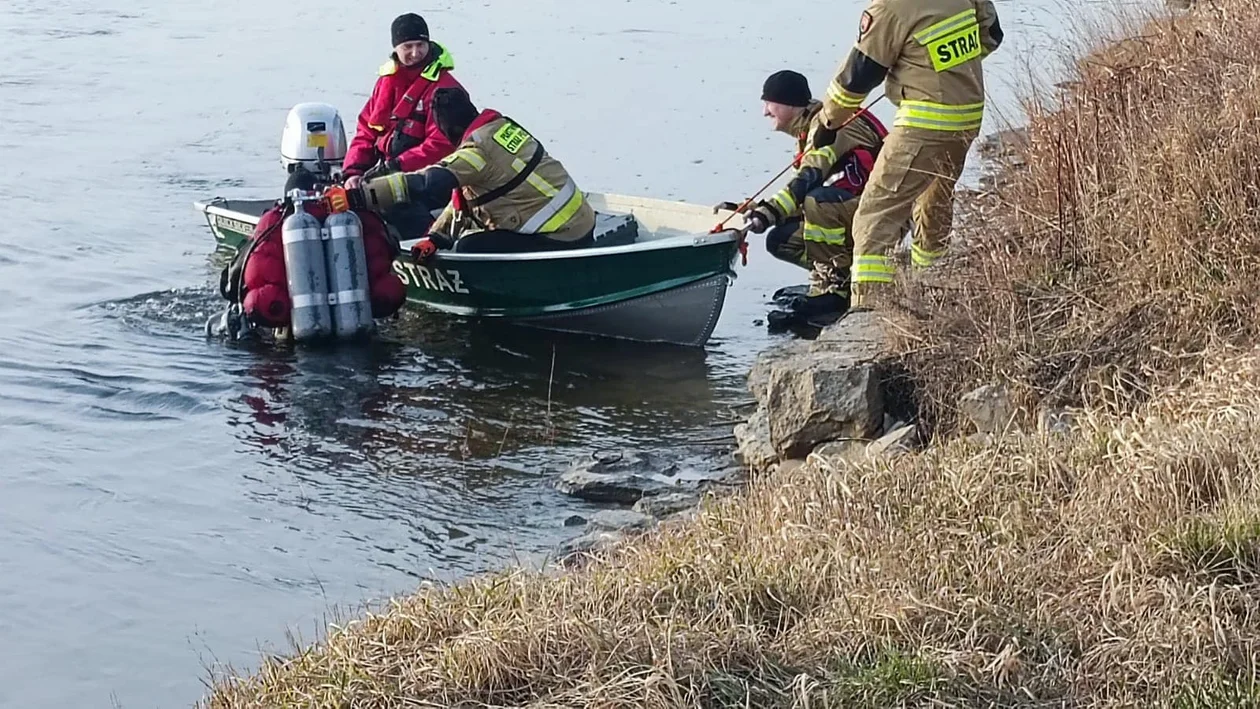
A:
{"x": 396, "y": 132}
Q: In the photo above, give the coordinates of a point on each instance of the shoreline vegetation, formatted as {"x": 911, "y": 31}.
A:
{"x": 1107, "y": 272}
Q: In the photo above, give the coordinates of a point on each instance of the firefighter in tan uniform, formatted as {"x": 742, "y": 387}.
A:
{"x": 928, "y": 54}
{"x": 811, "y": 216}
{"x": 505, "y": 193}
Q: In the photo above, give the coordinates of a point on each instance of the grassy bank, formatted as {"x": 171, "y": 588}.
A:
{"x": 1118, "y": 566}
{"x": 1128, "y": 244}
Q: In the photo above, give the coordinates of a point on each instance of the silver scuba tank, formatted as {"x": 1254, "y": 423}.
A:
{"x": 348, "y": 275}
{"x": 305, "y": 270}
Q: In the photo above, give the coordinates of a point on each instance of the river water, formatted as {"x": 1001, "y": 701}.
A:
{"x": 170, "y": 502}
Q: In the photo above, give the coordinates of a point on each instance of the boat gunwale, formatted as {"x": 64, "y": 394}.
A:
{"x": 685, "y": 240}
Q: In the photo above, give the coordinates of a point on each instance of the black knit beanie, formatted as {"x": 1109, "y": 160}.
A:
{"x": 454, "y": 112}
{"x": 408, "y": 28}
{"x": 788, "y": 88}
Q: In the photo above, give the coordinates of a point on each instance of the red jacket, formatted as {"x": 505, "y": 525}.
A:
{"x": 398, "y": 111}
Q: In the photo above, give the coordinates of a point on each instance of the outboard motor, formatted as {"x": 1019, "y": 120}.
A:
{"x": 314, "y": 139}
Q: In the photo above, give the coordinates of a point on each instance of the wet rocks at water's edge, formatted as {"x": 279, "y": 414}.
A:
{"x": 830, "y": 400}
{"x": 824, "y": 396}
{"x": 658, "y": 487}
{"x": 619, "y": 476}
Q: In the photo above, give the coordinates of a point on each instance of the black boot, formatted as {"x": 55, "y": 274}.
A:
{"x": 786, "y": 294}
{"x": 808, "y": 311}
{"x": 819, "y": 306}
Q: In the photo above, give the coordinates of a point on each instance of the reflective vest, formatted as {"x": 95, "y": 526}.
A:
{"x": 508, "y": 181}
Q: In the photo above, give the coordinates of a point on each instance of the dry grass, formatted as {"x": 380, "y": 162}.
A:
{"x": 1118, "y": 567}
{"x": 1130, "y": 241}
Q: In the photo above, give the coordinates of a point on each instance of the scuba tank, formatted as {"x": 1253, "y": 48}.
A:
{"x": 302, "y": 236}
{"x": 346, "y": 261}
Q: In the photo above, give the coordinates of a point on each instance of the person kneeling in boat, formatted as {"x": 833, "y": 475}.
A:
{"x": 256, "y": 281}
{"x": 811, "y": 216}
{"x": 503, "y": 193}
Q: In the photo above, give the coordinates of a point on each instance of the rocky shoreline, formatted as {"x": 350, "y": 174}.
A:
{"x": 647, "y": 488}
{"x": 833, "y": 396}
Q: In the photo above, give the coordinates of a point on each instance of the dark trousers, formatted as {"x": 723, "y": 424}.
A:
{"x": 411, "y": 221}
{"x": 502, "y": 241}
{"x": 786, "y": 242}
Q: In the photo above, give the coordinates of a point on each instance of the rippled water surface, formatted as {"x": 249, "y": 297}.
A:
{"x": 170, "y": 502}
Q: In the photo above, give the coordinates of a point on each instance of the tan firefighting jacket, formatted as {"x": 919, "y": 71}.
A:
{"x": 547, "y": 201}
{"x": 928, "y": 54}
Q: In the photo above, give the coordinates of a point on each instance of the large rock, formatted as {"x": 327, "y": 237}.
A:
{"x": 860, "y": 337}
{"x": 771, "y": 359}
{"x": 623, "y": 477}
{"x": 821, "y": 397}
{"x": 989, "y": 408}
{"x": 752, "y": 442}
{"x": 813, "y": 392}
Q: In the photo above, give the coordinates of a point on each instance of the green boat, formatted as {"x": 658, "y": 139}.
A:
{"x": 654, "y": 274}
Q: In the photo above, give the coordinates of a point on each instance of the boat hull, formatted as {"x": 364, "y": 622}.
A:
{"x": 668, "y": 288}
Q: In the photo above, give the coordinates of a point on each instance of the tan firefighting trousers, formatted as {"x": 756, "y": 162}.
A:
{"x": 819, "y": 241}
{"x": 913, "y": 178}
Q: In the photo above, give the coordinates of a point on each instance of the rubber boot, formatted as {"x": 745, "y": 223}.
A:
{"x": 809, "y": 311}
{"x": 785, "y": 295}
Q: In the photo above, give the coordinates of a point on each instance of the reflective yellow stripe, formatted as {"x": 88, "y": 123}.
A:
{"x": 786, "y": 202}
{"x": 827, "y": 152}
{"x": 541, "y": 185}
{"x": 470, "y": 156}
{"x": 376, "y": 128}
{"x": 397, "y": 186}
{"x": 843, "y": 97}
{"x": 872, "y": 269}
{"x": 944, "y": 27}
{"x": 939, "y": 116}
{"x": 922, "y": 257}
{"x": 564, "y": 215}
{"x": 556, "y": 213}
{"x": 538, "y": 183}
{"x": 825, "y": 235}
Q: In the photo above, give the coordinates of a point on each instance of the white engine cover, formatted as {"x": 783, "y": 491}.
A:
{"x": 309, "y": 127}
